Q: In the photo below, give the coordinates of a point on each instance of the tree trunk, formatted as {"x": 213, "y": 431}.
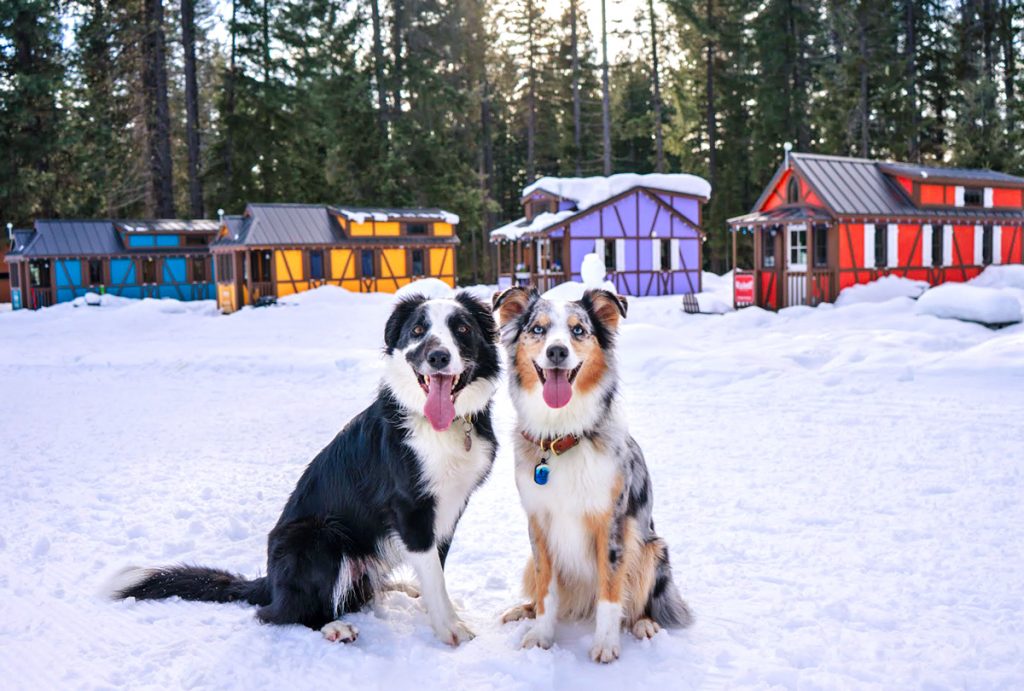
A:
{"x": 396, "y": 50}
{"x": 188, "y": 40}
{"x": 1009, "y": 63}
{"x": 710, "y": 94}
{"x": 486, "y": 180}
{"x": 267, "y": 163}
{"x": 862, "y": 105}
{"x": 573, "y": 19}
{"x": 378, "y": 68}
{"x": 160, "y": 202}
{"x": 606, "y": 124}
{"x": 913, "y": 143}
{"x": 531, "y": 95}
{"x": 659, "y": 149}
{"x": 229, "y": 106}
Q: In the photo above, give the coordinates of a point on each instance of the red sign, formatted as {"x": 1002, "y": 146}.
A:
{"x": 743, "y": 289}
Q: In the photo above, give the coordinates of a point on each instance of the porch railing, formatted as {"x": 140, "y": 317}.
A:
{"x": 821, "y": 287}
{"x": 261, "y": 289}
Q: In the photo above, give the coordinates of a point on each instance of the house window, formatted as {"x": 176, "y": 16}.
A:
{"x": 798, "y": 246}
{"x": 96, "y": 272}
{"x": 938, "y": 251}
{"x": 195, "y": 241}
{"x": 416, "y": 259}
{"x": 974, "y": 196}
{"x": 609, "y": 256}
{"x": 821, "y": 245}
{"x": 666, "y": 254}
{"x": 986, "y": 245}
{"x": 556, "y": 254}
{"x": 881, "y": 245}
{"x": 198, "y": 269}
{"x": 316, "y": 264}
{"x": 260, "y": 262}
{"x": 16, "y": 276}
{"x": 225, "y": 267}
{"x": 366, "y": 261}
{"x": 417, "y": 228}
{"x": 768, "y": 248}
{"x": 148, "y": 271}
{"x": 793, "y": 190}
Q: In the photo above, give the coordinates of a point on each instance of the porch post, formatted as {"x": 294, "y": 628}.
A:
{"x": 809, "y": 291}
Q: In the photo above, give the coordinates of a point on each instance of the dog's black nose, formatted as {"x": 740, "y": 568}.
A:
{"x": 557, "y": 354}
{"x": 439, "y": 359}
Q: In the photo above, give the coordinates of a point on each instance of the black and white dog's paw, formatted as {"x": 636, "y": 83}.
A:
{"x": 453, "y": 632}
{"x": 339, "y": 632}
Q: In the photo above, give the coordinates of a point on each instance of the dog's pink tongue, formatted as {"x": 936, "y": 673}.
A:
{"x": 557, "y": 389}
{"x": 439, "y": 408}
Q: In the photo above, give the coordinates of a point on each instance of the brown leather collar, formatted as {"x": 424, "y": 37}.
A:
{"x": 557, "y": 446}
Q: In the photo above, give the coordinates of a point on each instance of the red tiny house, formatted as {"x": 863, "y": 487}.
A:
{"x": 825, "y": 223}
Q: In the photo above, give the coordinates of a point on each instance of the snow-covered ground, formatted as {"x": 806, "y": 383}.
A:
{"x": 841, "y": 489}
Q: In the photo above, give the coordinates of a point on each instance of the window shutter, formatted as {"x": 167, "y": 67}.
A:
{"x": 988, "y": 197}
{"x": 893, "y": 246}
{"x": 958, "y": 195}
{"x": 947, "y": 245}
{"x": 869, "y": 245}
{"x": 997, "y": 244}
{"x": 673, "y": 247}
{"x": 599, "y": 248}
{"x": 926, "y": 245}
{"x": 979, "y": 234}
{"x": 655, "y": 254}
{"x": 620, "y": 254}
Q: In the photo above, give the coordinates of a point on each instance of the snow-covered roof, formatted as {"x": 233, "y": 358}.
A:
{"x": 587, "y": 192}
{"x": 362, "y": 214}
{"x": 519, "y": 227}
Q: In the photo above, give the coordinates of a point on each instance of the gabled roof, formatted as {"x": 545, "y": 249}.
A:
{"x": 788, "y": 213}
{"x": 963, "y": 175}
{"x": 290, "y": 224}
{"x": 64, "y": 238}
{"x": 861, "y": 187}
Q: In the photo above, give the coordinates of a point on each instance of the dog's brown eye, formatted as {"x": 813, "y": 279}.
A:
{"x": 462, "y": 329}
{"x": 418, "y": 330}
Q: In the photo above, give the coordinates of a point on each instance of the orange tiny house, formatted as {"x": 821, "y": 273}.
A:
{"x": 827, "y": 222}
{"x": 274, "y": 250}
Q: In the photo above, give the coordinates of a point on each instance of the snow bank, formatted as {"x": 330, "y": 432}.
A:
{"x": 574, "y": 290}
{"x": 989, "y": 306}
{"x": 884, "y": 289}
{"x": 318, "y": 296}
{"x": 427, "y": 287}
{"x": 1009, "y": 276}
{"x": 593, "y": 190}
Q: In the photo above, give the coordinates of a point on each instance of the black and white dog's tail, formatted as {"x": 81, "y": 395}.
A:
{"x": 666, "y": 605}
{"x": 189, "y": 583}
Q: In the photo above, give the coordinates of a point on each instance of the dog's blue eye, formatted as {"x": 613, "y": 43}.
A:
{"x": 538, "y": 330}
{"x": 578, "y": 330}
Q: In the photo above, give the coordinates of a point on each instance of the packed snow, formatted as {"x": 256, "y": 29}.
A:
{"x": 840, "y": 488}
{"x": 881, "y": 290}
{"x": 992, "y": 306}
{"x": 593, "y": 190}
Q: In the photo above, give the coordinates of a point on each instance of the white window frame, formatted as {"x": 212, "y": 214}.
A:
{"x": 655, "y": 253}
{"x": 599, "y": 249}
{"x": 947, "y": 245}
{"x": 892, "y": 246}
{"x": 869, "y": 245}
{"x": 790, "y": 231}
{"x": 958, "y": 195}
{"x": 620, "y": 254}
{"x": 926, "y": 244}
{"x": 997, "y": 245}
{"x": 673, "y": 248}
{"x": 979, "y": 245}
{"x": 987, "y": 197}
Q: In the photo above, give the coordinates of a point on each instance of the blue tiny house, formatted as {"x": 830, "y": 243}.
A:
{"x": 60, "y": 260}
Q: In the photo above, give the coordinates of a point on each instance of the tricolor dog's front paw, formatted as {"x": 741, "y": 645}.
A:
{"x": 453, "y": 632}
{"x": 538, "y": 636}
{"x": 605, "y": 650}
{"x": 339, "y": 632}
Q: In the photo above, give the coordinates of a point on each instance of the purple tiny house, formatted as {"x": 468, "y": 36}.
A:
{"x": 646, "y": 227}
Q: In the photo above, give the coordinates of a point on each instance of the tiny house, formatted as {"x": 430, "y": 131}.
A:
{"x": 60, "y": 260}
{"x": 274, "y": 250}
{"x": 824, "y": 223}
{"x": 647, "y": 229}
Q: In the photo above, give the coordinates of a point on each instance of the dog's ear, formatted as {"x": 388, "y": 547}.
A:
{"x": 511, "y": 303}
{"x": 606, "y": 307}
{"x": 399, "y": 316}
{"x": 481, "y": 315}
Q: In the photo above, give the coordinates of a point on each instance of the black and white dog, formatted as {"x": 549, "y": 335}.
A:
{"x": 582, "y": 477}
{"x": 389, "y": 489}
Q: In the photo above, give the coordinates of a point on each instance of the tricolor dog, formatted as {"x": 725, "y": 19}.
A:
{"x": 389, "y": 489}
{"x": 581, "y": 477}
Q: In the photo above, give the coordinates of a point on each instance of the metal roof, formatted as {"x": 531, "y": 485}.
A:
{"x": 289, "y": 224}
{"x": 66, "y": 238}
{"x": 964, "y": 174}
{"x": 853, "y": 185}
{"x": 19, "y": 240}
{"x": 784, "y": 214}
{"x": 235, "y": 227}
